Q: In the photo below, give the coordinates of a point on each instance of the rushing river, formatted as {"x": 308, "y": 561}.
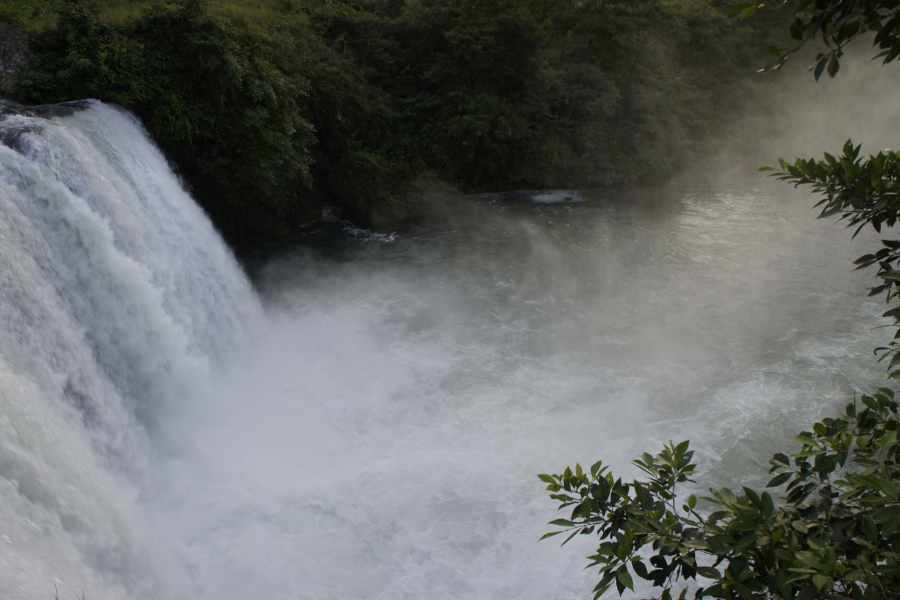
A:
{"x": 363, "y": 416}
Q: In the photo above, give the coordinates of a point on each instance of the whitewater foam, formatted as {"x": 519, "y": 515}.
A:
{"x": 117, "y": 299}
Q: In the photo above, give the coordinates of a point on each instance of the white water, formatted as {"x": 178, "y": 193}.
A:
{"x": 373, "y": 426}
{"x": 118, "y": 300}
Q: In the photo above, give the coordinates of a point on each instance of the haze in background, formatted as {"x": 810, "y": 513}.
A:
{"x": 796, "y": 116}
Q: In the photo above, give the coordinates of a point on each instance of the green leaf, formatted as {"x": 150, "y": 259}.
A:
{"x": 640, "y": 568}
{"x": 822, "y": 582}
{"x": 807, "y": 441}
{"x": 820, "y": 67}
{"x": 796, "y": 576}
{"x": 728, "y": 496}
{"x": 625, "y": 578}
{"x": 561, "y": 523}
{"x": 745, "y": 542}
{"x": 868, "y": 527}
{"x": 833, "y": 65}
{"x": 781, "y": 460}
{"x": 781, "y": 584}
{"x": 825, "y": 464}
{"x": 888, "y": 487}
{"x": 890, "y": 528}
{"x": 779, "y": 479}
{"x": 768, "y": 504}
{"x": 753, "y": 497}
{"x": 808, "y": 453}
{"x": 744, "y": 591}
{"x": 709, "y": 572}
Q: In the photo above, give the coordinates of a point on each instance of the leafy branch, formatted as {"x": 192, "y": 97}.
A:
{"x": 834, "y": 534}
{"x": 861, "y": 191}
{"x": 837, "y": 22}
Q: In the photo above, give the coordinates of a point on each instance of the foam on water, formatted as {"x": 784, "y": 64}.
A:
{"x": 373, "y": 428}
{"x": 408, "y": 390}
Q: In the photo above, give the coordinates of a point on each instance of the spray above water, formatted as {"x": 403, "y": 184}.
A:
{"x": 407, "y": 391}
{"x": 370, "y": 425}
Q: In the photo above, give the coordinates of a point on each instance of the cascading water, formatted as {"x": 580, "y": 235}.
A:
{"x": 117, "y": 299}
{"x": 372, "y": 425}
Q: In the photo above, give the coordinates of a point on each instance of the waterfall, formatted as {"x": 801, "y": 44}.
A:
{"x": 117, "y": 299}
{"x": 368, "y": 421}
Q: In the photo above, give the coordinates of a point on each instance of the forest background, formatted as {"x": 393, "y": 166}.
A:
{"x": 272, "y": 109}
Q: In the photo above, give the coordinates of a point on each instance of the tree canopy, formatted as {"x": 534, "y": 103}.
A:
{"x": 272, "y": 109}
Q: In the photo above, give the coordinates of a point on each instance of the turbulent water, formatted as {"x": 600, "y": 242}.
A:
{"x": 367, "y": 419}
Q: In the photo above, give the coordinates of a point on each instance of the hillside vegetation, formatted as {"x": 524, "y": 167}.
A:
{"x": 272, "y": 108}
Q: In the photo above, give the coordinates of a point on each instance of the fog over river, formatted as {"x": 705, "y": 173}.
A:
{"x": 362, "y": 416}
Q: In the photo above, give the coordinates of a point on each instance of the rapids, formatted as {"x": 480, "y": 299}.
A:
{"x": 353, "y": 415}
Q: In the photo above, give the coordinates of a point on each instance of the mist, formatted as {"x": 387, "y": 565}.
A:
{"x": 790, "y": 114}
{"x": 382, "y": 436}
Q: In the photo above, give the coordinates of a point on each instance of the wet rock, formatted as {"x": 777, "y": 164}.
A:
{"x": 12, "y": 129}
{"x": 44, "y": 111}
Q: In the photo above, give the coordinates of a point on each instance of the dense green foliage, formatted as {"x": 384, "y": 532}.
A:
{"x": 271, "y": 108}
{"x": 836, "y": 532}
{"x": 19, "y": 11}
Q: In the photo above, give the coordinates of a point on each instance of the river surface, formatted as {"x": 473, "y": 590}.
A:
{"x": 353, "y": 415}
{"x": 411, "y": 386}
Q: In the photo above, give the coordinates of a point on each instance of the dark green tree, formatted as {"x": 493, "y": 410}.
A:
{"x": 273, "y": 110}
{"x": 207, "y": 91}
